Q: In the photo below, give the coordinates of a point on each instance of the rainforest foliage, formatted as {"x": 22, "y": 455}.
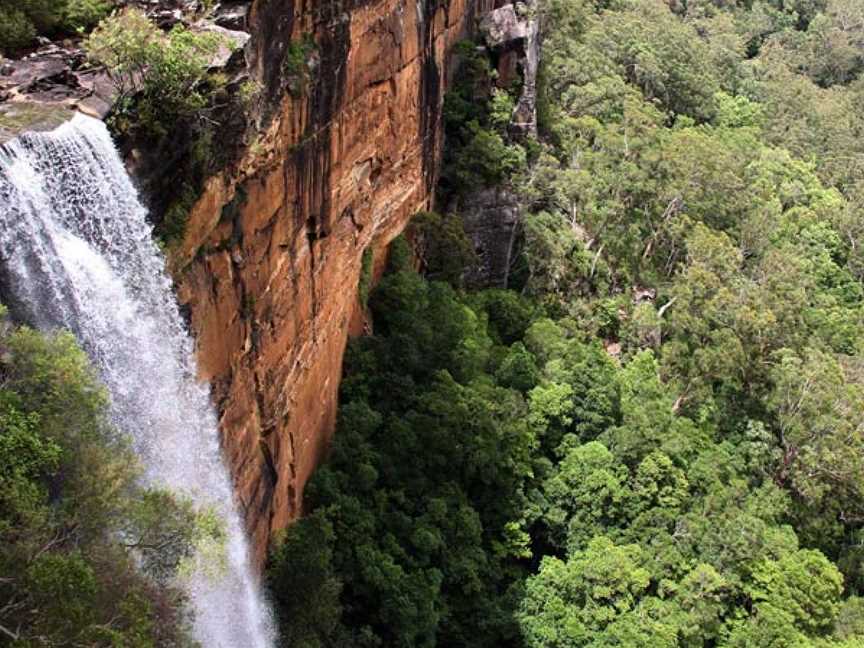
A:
{"x": 21, "y": 21}
{"x": 87, "y": 555}
{"x": 655, "y": 436}
{"x": 159, "y": 77}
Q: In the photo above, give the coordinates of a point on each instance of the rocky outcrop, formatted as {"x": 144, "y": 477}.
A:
{"x": 512, "y": 33}
{"x": 490, "y": 215}
{"x": 490, "y": 218}
{"x": 346, "y": 150}
{"x": 54, "y": 80}
{"x": 501, "y": 27}
{"x": 524, "y": 119}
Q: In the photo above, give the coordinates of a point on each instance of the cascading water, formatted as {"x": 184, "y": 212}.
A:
{"x": 77, "y": 253}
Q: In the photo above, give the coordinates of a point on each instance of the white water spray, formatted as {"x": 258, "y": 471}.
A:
{"x": 77, "y": 253}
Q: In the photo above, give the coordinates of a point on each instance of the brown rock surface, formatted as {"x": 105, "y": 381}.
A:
{"x": 270, "y": 264}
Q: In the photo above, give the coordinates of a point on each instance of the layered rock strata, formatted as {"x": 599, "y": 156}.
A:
{"x": 346, "y": 151}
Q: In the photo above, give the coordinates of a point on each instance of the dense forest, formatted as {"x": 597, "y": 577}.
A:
{"x": 88, "y": 556}
{"x": 653, "y": 437}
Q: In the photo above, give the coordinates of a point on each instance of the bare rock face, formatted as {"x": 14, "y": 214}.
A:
{"x": 502, "y": 27}
{"x": 270, "y": 264}
{"x": 491, "y": 215}
{"x": 491, "y": 218}
{"x": 512, "y": 31}
{"x": 524, "y": 120}
{"x": 232, "y": 15}
{"x": 55, "y": 79}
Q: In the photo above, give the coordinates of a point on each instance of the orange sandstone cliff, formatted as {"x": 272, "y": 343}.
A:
{"x": 268, "y": 270}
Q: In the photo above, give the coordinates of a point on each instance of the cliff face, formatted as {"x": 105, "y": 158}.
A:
{"x": 270, "y": 263}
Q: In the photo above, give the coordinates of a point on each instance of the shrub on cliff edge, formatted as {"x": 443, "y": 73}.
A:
{"x": 164, "y": 72}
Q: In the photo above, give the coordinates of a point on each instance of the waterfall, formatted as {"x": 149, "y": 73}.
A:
{"x": 77, "y": 253}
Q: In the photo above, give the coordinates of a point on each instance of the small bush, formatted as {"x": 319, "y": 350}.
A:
{"x": 168, "y": 69}
{"x": 84, "y": 14}
{"x": 501, "y": 106}
{"x": 173, "y": 226}
{"x": 22, "y": 20}
{"x": 249, "y": 93}
{"x": 16, "y": 29}
{"x": 295, "y": 65}
{"x": 124, "y": 44}
{"x": 366, "y": 267}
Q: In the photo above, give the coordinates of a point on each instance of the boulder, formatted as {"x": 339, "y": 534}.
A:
{"x": 101, "y": 92}
{"x": 232, "y": 42}
{"x": 32, "y": 70}
{"x": 232, "y": 15}
{"x": 502, "y": 28}
{"x": 524, "y": 120}
{"x": 512, "y": 31}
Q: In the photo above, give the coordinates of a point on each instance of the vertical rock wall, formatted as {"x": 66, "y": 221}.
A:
{"x": 270, "y": 263}
{"x": 491, "y": 215}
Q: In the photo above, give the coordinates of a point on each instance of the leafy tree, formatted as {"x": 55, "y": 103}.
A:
{"x": 303, "y": 586}
{"x": 86, "y": 553}
{"x": 571, "y": 603}
{"x": 587, "y": 494}
{"x": 476, "y": 117}
{"x": 518, "y": 370}
{"x": 805, "y": 585}
{"x": 441, "y": 246}
{"x": 817, "y": 411}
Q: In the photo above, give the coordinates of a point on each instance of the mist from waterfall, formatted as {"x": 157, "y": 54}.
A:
{"x": 77, "y": 253}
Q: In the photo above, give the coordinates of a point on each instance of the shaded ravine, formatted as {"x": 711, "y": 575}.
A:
{"x": 76, "y": 252}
